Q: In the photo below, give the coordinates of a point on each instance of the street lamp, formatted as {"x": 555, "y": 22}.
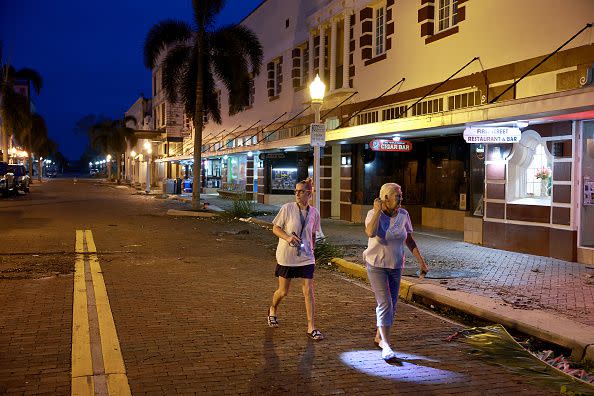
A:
{"x": 108, "y": 159}
{"x": 149, "y": 150}
{"x": 316, "y": 91}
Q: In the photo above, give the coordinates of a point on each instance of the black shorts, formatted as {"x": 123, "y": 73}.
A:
{"x": 304, "y": 271}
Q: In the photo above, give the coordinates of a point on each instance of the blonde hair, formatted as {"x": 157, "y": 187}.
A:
{"x": 388, "y": 189}
{"x": 307, "y": 183}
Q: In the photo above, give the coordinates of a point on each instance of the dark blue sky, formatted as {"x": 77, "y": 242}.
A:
{"x": 89, "y": 54}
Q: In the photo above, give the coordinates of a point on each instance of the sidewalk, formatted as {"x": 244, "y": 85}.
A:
{"x": 550, "y": 299}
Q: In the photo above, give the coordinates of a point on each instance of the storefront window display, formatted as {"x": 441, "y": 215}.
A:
{"x": 284, "y": 178}
{"x": 235, "y": 173}
{"x": 212, "y": 172}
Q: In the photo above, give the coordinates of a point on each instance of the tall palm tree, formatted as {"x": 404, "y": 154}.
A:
{"x": 15, "y": 109}
{"x": 41, "y": 144}
{"x": 113, "y": 136}
{"x": 193, "y": 56}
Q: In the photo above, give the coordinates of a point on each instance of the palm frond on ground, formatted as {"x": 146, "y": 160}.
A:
{"x": 193, "y": 57}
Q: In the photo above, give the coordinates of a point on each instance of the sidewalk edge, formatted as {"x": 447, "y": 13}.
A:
{"x": 539, "y": 324}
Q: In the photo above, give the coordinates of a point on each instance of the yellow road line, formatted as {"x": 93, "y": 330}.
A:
{"x": 81, "y": 344}
{"x": 79, "y": 246}
{"x": 114, "y": 370}
{"x": 91, "y": 248}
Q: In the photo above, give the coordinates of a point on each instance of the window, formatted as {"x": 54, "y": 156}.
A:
{"x": 304, "y": 64}
{"x": 278, "y": 77}
{"x": 446, "y": 14}
{"x": 393, "y": 113}
{"x": 367, "y": 118}
{"x": 529, "y": 174}
{"x": 534, "y": 186}
{"x": 380, "y": 31}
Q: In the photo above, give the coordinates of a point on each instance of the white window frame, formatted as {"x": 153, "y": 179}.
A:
{"x": 446, "y": 14}
{"x": 518, "y": 167}
{"x": 277, "y": 80}
{"x": 304, "y": 65}
{"x": 379, "y": 30}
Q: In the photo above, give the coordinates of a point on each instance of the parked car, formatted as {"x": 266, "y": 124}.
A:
{"x": 6, "y": 180}
{"x": 51, "y": 173}
{"x": 22, "y": 180}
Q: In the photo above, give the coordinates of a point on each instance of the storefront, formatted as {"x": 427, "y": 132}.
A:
{"x": 531, "y": 191}
{"x": 280, "y": 171}
{"x": 434, "y": 173}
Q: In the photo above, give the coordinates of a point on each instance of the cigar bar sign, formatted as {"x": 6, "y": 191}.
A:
{"x": 401, "y": 146}
{"x": 477, "y": 134}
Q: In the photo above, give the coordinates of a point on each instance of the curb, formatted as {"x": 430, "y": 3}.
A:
{"x": 577, "y": 337}
{"x": 190, "y": 213}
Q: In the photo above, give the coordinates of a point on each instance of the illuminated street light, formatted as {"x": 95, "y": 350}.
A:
{"x": 317, "y": 90}
{"x": 132, "y": 153}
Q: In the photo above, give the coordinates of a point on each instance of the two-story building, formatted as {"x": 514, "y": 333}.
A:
{"x": 423, "y": 72}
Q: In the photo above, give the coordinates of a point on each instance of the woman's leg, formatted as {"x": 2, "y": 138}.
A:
{"x": 378, "y": 277}
{"x": 310, "y": 303}
{"x": 279, "y": 294}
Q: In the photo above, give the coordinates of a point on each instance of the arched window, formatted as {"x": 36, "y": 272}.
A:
{"x": 529, "y": 175}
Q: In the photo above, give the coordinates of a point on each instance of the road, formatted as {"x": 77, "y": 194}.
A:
{"x": 188, "y": 299}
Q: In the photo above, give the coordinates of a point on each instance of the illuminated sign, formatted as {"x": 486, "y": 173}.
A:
{"x": 476, "y": 134}
{"x": 402, "y": 146}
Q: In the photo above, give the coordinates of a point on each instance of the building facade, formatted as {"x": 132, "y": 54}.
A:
{"x": 423, "y": 71}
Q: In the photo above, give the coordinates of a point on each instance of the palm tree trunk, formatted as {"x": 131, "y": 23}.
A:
{"x": 198, "y": 121}
{"x": 119, "y": 167}
{"x": 30, "y": 148}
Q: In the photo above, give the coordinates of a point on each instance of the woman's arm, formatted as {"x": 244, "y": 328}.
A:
{"x": 412, "y": 246}
{"x": 279, "y": 232}
{"x": 371, "y": 227}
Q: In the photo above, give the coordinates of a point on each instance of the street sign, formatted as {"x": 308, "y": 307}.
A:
{"x": 401, "y": 146}
{"x": 317, "y": 134}
{"x": 476, "y": 134}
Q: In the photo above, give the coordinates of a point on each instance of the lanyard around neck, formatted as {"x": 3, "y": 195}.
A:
{"x": 303, "y": 219}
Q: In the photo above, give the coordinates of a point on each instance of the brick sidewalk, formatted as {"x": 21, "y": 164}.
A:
{"x": 520, "y": 280}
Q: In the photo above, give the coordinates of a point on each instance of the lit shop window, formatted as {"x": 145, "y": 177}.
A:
{"x": 446, "y": 14}
{"x": 529, "y": 176}
{"x": 345, "y": 160}
{"x": 284, "y": 178}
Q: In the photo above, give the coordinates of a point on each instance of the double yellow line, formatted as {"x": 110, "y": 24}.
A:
{"x": 97, "y": 363}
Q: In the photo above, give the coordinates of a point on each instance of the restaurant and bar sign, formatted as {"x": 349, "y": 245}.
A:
{"x": 484, "y": 134}
{"x": 402, "y": 146}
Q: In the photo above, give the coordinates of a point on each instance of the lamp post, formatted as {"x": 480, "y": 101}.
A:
{"x": 316, "y": 90}
{"x": 149, "y": 151}
{"x": 132, "y": 159}
{"x": 108, "y": 159}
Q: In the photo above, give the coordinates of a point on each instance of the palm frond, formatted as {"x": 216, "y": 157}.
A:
{"x": 161, "y": 35}
{"x": 176, "y": 60}
{"x": 241, "y": 39}
{"x": 14, "y": 110}
{"x": 187, "y": 89}
{"x": 205, "y": 11}
{"x": 31, "y": 76}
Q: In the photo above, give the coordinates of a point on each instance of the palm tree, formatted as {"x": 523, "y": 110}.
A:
{"x": 15, "y": 109}
{"x": 113, "y": 136}
{"x": 41, "y": 145}
{"x": 193, "y": 57}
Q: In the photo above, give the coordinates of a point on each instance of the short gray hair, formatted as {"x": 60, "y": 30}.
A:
{"x": 389, "y": 189}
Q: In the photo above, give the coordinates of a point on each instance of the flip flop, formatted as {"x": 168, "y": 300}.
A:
{"x": 272, "y": 320}
{"x": 316, "y": 335}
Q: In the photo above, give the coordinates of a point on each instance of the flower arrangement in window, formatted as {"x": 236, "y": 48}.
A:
{"x": 543, "y": 173}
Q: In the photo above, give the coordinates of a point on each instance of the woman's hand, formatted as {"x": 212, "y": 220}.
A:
{"x": 293, "y": 240}
{"x": 423, "y": 269}
{"x": 377, "y": 205}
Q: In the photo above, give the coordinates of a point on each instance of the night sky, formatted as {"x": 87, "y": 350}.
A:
{"x": 89, "y": 54}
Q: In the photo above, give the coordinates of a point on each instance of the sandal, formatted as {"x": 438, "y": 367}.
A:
{"x": 272, "y": 321}
{"x": 316, "y": 335}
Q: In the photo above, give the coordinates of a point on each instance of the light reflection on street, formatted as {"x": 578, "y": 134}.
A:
{"x": 407, "y": 367}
